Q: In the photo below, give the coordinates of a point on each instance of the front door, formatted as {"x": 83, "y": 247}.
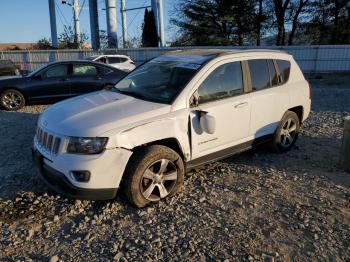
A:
{"x": 222, "y": 96}
{"x": 50, "y": 84}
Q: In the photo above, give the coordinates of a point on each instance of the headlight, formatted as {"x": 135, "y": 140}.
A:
{"x": 86, "y": 145}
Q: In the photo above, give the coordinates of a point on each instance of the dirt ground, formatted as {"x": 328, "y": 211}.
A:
{"x": 256, "y": 206}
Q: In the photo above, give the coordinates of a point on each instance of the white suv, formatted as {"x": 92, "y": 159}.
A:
{"x": 121, "y": 62}
{"x": 173, "y": 113}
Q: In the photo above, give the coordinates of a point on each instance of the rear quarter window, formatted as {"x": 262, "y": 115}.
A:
{"x": 284, "y": 70}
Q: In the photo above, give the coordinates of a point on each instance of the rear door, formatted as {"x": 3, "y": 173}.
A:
{"x": 85, "y": 78}
{"x": 269, "y": 99}
{"x": 221, "y": 95}
{"x": 52, "y": 83}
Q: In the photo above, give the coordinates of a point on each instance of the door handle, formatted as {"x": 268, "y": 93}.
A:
{"x": 240, "y": 105}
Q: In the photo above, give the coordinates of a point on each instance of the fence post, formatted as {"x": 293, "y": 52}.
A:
{"x": 30, "y": 61}
{"x": 345, "y": 154}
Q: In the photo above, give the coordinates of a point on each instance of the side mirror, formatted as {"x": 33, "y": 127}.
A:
{"x": 208, "y": 123}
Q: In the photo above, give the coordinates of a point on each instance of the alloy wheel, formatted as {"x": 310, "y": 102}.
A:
{"x": 11, "y": 100}
{"x": 288, "y": 133}
{"x": 158, "y": 180}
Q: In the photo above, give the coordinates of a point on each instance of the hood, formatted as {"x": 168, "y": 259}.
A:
{"x": 9, "y": 79}
{"x": 96, "y": 113}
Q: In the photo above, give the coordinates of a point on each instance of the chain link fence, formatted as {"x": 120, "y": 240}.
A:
{"x": 311, "y": 59}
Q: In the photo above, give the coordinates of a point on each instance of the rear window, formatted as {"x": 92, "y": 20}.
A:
{"x": 259, "y": 74}
{"x": 114, "y": 60}
{"x": 83, "y": 69}
{"x": 284, "y": 69}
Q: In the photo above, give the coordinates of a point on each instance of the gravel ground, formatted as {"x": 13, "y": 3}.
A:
{"x": 256, "y": 206}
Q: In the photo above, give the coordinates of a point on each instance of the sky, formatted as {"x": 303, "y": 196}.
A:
{"x": 27, "y": 21}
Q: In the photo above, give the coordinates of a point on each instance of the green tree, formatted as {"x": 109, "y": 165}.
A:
{"x": 43, "y": 44}
{"x": 149, "y": 30}
{"x": 67, "y": 40}
{"x": 216, "y": 22}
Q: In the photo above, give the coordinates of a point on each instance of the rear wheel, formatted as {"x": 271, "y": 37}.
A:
{"x": 153, "y": 173}
{"x": 286, "y": 133}
{"x": 12, "y": 100}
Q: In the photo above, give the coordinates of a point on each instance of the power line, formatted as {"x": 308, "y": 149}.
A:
{"x": 138, "y": 12}
{"x": 62, "y": 15}
{"x": 81, "y": 7}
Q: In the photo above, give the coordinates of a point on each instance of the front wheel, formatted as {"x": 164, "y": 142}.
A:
{"x": 153, "y": 173}
{"x": 12, "y": 100}
{"x": 286, "y": 133}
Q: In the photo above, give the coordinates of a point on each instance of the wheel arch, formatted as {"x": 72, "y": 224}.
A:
{"x": 299, "y": 111}
{"x": 170, "y": 142}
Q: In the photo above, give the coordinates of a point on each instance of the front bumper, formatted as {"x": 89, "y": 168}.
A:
{"x": 61, "y": 184}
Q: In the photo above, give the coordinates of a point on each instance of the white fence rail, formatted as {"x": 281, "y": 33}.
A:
{"x": 312, "y": 59}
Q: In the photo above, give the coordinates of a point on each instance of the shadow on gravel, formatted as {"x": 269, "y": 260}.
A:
{"x": 314, "y": 156}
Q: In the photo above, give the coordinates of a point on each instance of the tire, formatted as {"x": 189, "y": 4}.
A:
{"x": 12, "y": 100}
{"x": 286, "y": 133}
{"x": 153, "y": 173}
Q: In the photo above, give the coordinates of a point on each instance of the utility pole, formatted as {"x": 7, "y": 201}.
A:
{"x": 94, "y": 28}
{"x": 157, "y": 7}
{"x": 161, "y": 22}
{"x": 125, "y": 33}
{"x": 76, "y": 10}
{"x": 76, "y": 22}
{"x": 111, "y": 12}
{"x": 53, "y": 25}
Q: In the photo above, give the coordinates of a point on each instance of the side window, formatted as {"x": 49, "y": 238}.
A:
{"x": 114, "y": 60}
{"x": 104, "y": 70}
{"x": 273, "y": 73}
{"x": 259, "y": 74}
{"x": 102, "y": 60}
{"x": 225, "y": 81}
{"x": 284, "y": 68}
{"x": 84, "y": 70}
{"x": 122, "y": 59}
{"x": 56, "y": 71}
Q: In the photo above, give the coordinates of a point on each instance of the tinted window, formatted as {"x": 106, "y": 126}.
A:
{"x": 259, "y": 74}
{"x": 114, "y": 60}
{"x": 273, "y": 73}
{"x": 56, "y": 71}
{"x": 122, "y": 60}
{"x": 224, "y": 81}
{"x": 105, "y": 70}
{"x": 284, "y": 68}
{"x": 81, "y": 69}
{"x": 102, "y": 60}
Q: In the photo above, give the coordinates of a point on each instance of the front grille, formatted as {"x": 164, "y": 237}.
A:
{"x": 47, "y": 141}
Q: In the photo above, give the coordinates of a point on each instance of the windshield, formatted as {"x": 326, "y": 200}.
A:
{"x": 158, "y": 80}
